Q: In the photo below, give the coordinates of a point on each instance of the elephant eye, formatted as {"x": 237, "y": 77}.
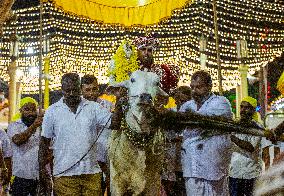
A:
{"x": 132, "y": 80}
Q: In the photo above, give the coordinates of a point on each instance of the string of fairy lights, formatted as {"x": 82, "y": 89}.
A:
{"x": 84, "y": 46}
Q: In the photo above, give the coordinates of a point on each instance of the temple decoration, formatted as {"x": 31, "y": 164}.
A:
{"x": 84, "y": 46}
{"x": 127, "y": 12}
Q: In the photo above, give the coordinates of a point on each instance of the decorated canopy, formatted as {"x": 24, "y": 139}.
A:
{"x": 125, "y": 12}
{"x": 82, "y": 45}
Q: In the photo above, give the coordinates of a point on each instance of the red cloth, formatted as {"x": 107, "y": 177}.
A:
{"x": 170, "y": 78}
{"x": 169, "y": 75}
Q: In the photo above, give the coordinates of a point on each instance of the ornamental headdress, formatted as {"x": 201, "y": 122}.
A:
{"x": 147, "y": 41}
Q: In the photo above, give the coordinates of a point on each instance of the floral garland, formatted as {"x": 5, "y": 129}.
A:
{"x": 125, "y": 62}
{"x": 139, "y": 140}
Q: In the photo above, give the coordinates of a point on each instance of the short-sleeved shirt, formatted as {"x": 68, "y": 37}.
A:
{"x": 5, "y": 144}
{"x": 25, "y": 156}
{"x": 207, "y": 158}
{"x": 73, "y": 135}
{"x": 108, "y": 102}
{"x": 247, "y": 167}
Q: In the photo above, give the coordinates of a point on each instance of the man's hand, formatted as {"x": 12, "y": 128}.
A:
{"x": 270, "y": 135}
{"x": 43, "y": 155}
{"x": 38, "y": 121}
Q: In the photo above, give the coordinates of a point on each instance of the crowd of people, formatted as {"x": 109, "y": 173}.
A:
{"x": 63, "y": 151}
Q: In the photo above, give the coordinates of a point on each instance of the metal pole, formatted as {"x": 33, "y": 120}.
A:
{"x": 217, "y": 46}
{"x": 40, "y": 56}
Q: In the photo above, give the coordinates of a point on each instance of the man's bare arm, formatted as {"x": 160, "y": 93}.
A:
{"x": 23, "y": 137}
{"x": 43, "y": 153}
{"x": 43, "y": 159}
{"x": 117, "y": 115}
{"x": 243, "y": 144}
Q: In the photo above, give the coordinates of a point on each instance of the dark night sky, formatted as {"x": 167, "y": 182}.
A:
{"x": 19, "y": 4}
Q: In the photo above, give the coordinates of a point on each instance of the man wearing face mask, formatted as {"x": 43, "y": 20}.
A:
{"x": 24, "y": 136}
{"x": 245, "y": 169}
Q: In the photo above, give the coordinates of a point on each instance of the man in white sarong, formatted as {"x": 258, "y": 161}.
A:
{"x": 206, "y": 161}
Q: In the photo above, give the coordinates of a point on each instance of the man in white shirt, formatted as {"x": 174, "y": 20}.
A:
{"x": 7, "y": 154}
{"x": 24, "y": 136}
{"x": 206, "y": 162}
{"x": 90, "y": 91}
{"x": 245, "y": 169}
{"x": 73, "y": 124}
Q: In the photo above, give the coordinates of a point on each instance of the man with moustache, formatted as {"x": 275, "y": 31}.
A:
{"x": 74, "y": 124}
{"x": 245, "y": 169}
{"x": 206, "y": 162}
{"x": 169, "y": 74}
{"x": 24, "y": 136}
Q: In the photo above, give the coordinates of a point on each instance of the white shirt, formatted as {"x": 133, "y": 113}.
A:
{"x": 25, "y": 156}
{"x": 210, "y": 158}
{"x": 5, "y": 144}
{"x": 73, "y": 135}
{"x": 247, "y": 167}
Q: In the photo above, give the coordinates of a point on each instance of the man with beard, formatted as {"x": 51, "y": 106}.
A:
{"x": 245, "y": 169}
{"x": 169, "y": 74}
{"x": 206, "y": 162}
{"x": 74, "y": 125}
{"x": 24, "y": 134}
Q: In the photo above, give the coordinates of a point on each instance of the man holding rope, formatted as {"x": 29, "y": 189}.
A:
{"x": 206, "y": 160}
{"x": 74, "y": 125}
